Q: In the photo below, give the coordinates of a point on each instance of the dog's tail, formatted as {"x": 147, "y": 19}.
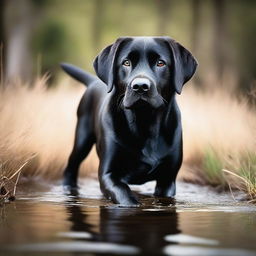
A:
{"x": 79, "y": 74}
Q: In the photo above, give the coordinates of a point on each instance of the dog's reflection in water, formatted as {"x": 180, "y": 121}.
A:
{"x": 144, "y": 228}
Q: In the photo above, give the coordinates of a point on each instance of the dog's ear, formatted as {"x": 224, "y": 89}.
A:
{"x": 184, "y": 64}
{"x": 105, "y": 63}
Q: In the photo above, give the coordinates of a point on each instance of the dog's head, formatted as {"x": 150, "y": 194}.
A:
{"x": 146, "y": 70}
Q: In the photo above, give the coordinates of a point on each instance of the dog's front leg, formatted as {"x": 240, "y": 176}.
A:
{"x": 165, "y": 188}
{"x": 166, "y": 181}
{"x": 110, "y": 173}
{"x": 116, "y": 190}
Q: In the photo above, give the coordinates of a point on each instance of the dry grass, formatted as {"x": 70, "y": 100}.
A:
{"x": 219, "y": 130}
{"x": 40, "y": 122}
{"x": 242, "y": 175}
{"x": 8, "y": 182}
{"x": 219, "y": 133}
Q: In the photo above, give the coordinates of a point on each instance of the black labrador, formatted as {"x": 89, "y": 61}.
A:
{"x": 132, "y": 115}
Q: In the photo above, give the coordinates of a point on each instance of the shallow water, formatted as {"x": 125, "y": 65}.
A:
{"x": 43, "y": 220}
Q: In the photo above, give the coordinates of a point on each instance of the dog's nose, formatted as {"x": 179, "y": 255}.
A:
{"x": 140, "y": 85}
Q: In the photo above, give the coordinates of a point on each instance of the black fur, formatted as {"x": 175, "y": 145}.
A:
{"x": 134, "y": 120}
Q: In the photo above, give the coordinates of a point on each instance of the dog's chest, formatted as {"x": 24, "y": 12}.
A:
{"x": 144, "y": 163}
{"x": 154, "y": 151}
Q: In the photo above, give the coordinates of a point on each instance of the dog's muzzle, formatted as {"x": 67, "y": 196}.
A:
{"x": 142, "y": 92}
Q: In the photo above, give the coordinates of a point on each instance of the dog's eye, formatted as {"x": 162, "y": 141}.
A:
{"x": 126, "y": 63}
{"x": 160, "y": 63}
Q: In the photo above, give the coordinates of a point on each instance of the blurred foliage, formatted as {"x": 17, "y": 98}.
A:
{"x": 212, "y": 166}
{"x": 48, "y": 44}
{"x": 220, "y": 33}
{"x": 238, "y": 172}
{"x": 243, "y": 34}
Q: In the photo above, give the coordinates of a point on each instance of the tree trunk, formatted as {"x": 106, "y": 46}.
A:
{"x": 19, "y": 21}
{"x": 163, "y": 7}
{"x": 2, "y": 41}
{"x": 97, "y": 24}
{"x": 219, "y": 40}
{"x": 195, "y": 33}
{"x": 196, "y": 18}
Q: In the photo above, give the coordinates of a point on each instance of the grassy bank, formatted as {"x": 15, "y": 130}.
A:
{"x": 219, "y": 141}
{"x": 38, "y": 124}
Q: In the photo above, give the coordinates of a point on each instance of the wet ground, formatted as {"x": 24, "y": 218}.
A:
{"x": 45, "y": 221}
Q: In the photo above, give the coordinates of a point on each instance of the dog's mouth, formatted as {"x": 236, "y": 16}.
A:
{"x": 140, "y": 101}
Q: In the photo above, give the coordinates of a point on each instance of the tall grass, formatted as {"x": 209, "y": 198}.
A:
{"x": 243, "y": 170}
{"x": 38, "y": 124}
{"x": 219, "y": 140}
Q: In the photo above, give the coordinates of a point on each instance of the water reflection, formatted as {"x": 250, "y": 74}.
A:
{"x": 143, "y": 228}
{"x": 52, "y": 222}
{"x": 75, "y": 215}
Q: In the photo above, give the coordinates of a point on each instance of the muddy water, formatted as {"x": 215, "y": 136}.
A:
{"x": 45, "y": 221}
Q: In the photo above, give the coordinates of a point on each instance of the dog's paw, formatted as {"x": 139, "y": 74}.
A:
{"x": 70, "y": 190}
{"x": 129, "y": 202}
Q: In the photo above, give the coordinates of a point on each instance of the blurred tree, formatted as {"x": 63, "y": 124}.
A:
{"x": 219, "y": 38}
{"x": 195, "y": 31}
{"x": 49, "y": 47}
{"x": 196, "y": 19}
{"x": 19, "y": 22}
{"x": 243, "y": 26}
{"x": 163, "y": 15}
{"x": 97, "y": 20}
{"x": 2, "y": 40}
{"x": 46, "y": 32}
{"x": 2, "y": 3}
